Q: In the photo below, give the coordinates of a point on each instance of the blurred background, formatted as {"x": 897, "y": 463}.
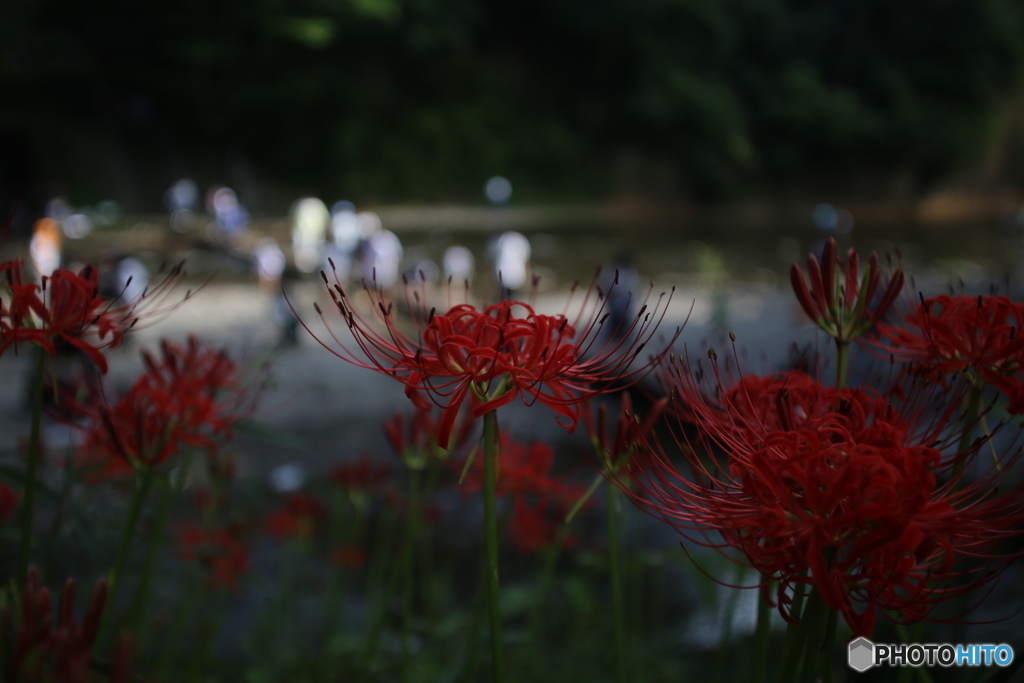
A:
{"x": 774, "y": 103}
{"x": 702, "y": 144}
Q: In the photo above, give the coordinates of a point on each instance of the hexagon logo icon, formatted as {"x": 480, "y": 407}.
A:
{"x": 861, "y": 654}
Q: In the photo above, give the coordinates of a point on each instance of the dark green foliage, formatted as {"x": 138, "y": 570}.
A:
{"x": 424, "y": 99}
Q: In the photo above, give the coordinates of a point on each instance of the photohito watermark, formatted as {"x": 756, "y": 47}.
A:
{"x": 863, "y": 654}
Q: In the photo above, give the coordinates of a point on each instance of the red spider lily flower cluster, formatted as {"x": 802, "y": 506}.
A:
{"x": 67, "y": 308}
{"x": 630, "y": 435}
{"x": 540, "y": 499}
{"x": 840, "y": 301}
{"x": 954, "y": 334}
{"x": 831, "y": 488}
{"x": 497, "y": 354}
{"x": 189, "y": 396}
{"x": 43, "y": 651}
{"x": 219, "y": 550}
{"x": 298, "y": 518}
{"x": 414, "y": 438}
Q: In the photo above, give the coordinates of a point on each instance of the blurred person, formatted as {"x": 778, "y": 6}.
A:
{"x": 58, "y": 209}
{"x": 368, "y": 224}
{"x": 183, "y": 195}
{"x": 459, "y": 265}
{"x": 122, "y": 278}
{"x": 510, "y": 255}
{"x": 269, "y": 263}
{"x": 77, "y": 226}
{"x": 621, "y": 294}
{"x": 133, "y": 276}
{"x": 344, "y": 247}
{"x": 45, "y": 247}
{"x": 382, "y": 260}
{"x": 310, "y": 219}
{"x": 422, "y": 272}
{"x": 283, "y": 314}
{"x": 182, "y": 200}
{"x": 231, "y": 217}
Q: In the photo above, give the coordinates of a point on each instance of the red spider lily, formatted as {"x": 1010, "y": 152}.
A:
{"x": 66, "y": 308}
{"x": 842, "y": 306}
{"x": 630, "y": 432}
{"x": 297, "y": 519}
{"x": 499, "y": 353}
{"x": 189, "y": 397}
{"x": 362, "y": 475}
{"x": 220, "y": 551}
{"x": 964, "y": 333}
{"x": 539, "y": 498}
{"x": 44, "y": 651}
{"x": 8, "y": 501}
{"x": 835, "y": 489}
{"x": 414, "y": 438}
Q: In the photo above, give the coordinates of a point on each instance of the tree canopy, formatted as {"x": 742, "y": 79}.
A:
{"x": 425, "y": 99}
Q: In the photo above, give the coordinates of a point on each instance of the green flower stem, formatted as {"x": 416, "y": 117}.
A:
{"x": 762, "y": 636}
{"x": 599, "y": 478}
{"x": 408, "y": 562}
{"x": 615, "y": 580}
{"x": 829, "y": 646}
{"x": 136, "y": 610}
{"x": 195, "y": 593}
{"x": 914, "y": 635}
{"x": 547, "y": 577}
{"x": 28, "y": 506}
{"x": 337, "y": 529}
{"x": 813, "y": 624}
{"x": 491, "y": 538}
{"x": 842, "y": 361}
{"x": 209, "y": 632}
{"x": 428, "y": 581}
{"x": 792, "y": 647}
{"x": 143, "y": 484}
{"x": 970, "y": 420}
{"x": 377, "y": 629}
{"x": 727, "y": 625}
{"x": 635, "y": 618}
{"x": 471, "y": 663}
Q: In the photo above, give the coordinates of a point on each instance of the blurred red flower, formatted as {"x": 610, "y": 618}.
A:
{"x": 361, "y": 474}
{"x": 297, "y": 519}
{"x": 835, "y": 489}
{"x": 190, "y": 396}
{"x": 219, "y": 550}
{"x": 979, "y": 335}
{"x": 615, "y": 449}
{"x": 540, "y": 499}
{"x": 44, "y": 651}
{"x": 414, "y": 437}
{"x": 66, "y": 308}
{"x": 497, "y": 354}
